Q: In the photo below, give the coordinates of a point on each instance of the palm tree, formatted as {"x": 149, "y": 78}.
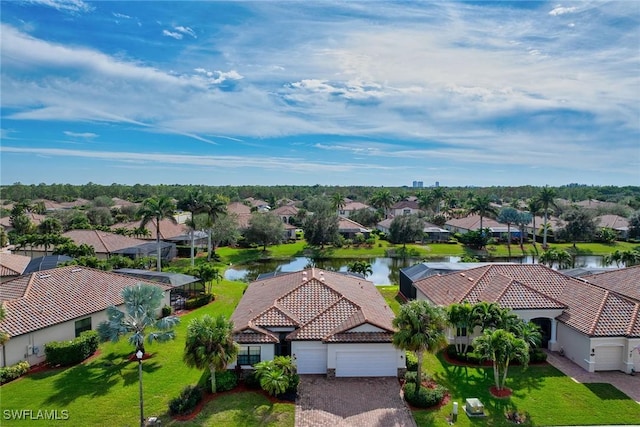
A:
{"x": 546, "y": 197}
{"x": 501, "y": 347}
{"x": 438, "y": 194}
{"x": 486, "y": 314}
{"x": 630, "y": 257}
{"x": 360, "y": 267}
{"x": 461, "y": 317}
{"x": 156, "y": 209}
{"x": 214, "y": 206}
{"x": 420, "y": 327}
{"x": 425, "y": 200}
{"x": 192, "y": 203}
{"x": 210, "y": 344}
{"x": 337, "y": 202}
{"x": 614, "y": 257}
{"x": 534, "y": 209}
{"x": 508, "y": 216}
{"x": 481, "y": 205}
{"x": 524, "y": 218}
{"x": 383, "y": 200}
{"x": 529, "y": 332}
{"x": 142, "y": 303}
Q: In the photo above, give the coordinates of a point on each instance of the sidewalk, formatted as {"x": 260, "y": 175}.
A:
{"x": 628, "y": 384}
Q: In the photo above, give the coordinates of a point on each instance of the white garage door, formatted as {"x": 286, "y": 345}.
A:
{"x": 366, "y": 364}
{"x": 312, "y": 360}
{"x": 608, "y": 358}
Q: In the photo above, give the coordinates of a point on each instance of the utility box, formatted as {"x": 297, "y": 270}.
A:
{"x": 474, "y": 407}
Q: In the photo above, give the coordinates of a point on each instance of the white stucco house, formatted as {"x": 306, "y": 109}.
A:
{"x": 594, "y": 320}
{"x": 56, "y": 305}
{"x": 331, "y": 323}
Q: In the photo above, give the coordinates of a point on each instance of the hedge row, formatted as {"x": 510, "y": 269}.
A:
{"x": 12, "y": 372}
{"x": 192, "y": 303}
{"x": 425, "y": 397}
{"x": 187, "y": 401}
{"x": 67, "y": 353}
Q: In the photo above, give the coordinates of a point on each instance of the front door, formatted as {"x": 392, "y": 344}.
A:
{"x": 283, "y": 348}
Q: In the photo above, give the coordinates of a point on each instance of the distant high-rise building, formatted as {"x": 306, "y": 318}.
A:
{"x": 437, "y": 183}
{"x": 418, "y": 184}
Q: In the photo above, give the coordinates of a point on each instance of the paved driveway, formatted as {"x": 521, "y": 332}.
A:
{"x": 353, "y": 402}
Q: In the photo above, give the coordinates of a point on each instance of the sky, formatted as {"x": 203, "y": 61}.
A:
{"x": 272, "y": 92}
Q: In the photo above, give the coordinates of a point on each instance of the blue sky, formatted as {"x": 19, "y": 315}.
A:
{"x": 334, "y": 93}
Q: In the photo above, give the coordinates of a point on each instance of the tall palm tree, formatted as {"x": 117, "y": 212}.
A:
{"x": 508, "y": 216}
{"x": 337, "y": 202}
{"x": 156, "y": 209}
{"x": 486, "y": 314}
{"x": 438, "y": 194}
{"x": 501, "y": 347}
{"x": 214, "y": 206}
{"x": 420, "y": 327}
{"x": 533, "y": 205}
{"x": 383, "y": 200}
{"x": 547, "y": 199}
{"x": 191, "y": 203}
{"x": 142, "y": 303}
{"x": 481, "y": 205}
{"x": 425, "y": 200}
{"x": 210, "y": 344}
{"x": 360, "y": 267}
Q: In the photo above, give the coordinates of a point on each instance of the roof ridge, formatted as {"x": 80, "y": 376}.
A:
{"x": 474, "y": 283}
{"x": 102, "y": 241}
{"x": 540, "y": 293}
{"x": 631, "y": 326}
{"x": 598, "y": 314}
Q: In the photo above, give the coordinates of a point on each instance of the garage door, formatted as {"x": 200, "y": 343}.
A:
{"x": 366, "y": 364}
{"x": 608, "y": 358}
{"x": 312, "y": 360}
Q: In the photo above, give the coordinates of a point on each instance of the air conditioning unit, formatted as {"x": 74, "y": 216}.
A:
{"x": 29, "y": 350}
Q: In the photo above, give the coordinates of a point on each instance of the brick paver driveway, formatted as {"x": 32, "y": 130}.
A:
{"x": 353, "y": 402}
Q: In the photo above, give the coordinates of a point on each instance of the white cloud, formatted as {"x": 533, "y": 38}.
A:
{"x": 173, "y": 34}
{"x": 186, "y": 30}
{"x": 121, "y": 15}
{"x": 64, "y": 5}
{"x": 84, "y": 135}
{"x": 560, "y": 10}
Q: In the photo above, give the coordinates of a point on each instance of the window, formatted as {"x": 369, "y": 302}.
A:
{"x": 248, "y": 355}
{"x": 461, "y": 332}
{"x": 406, "y": 212}
{"x": 83, "y": 325}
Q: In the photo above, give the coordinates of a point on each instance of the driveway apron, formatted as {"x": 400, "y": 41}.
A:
{"x": 353, "y": 402}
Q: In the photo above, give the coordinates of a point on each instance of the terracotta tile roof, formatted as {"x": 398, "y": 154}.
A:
{"x": 102, "y": 241}
{"x": 411, "y": 204}
{"x": 591, "y": 309}
{"x": 318, "y": 303}
{"x": 43, "y": 299}
{"x": 354, "y": 206}
{"x": 472, "y": 222}
{"x": 288, "y": 210}
{"x": 625, "y": 281}
{"x": 614, "y": 222}
{"x": 355, "y": 337}
{"x": 168, "y": 228}
{"x": 346, "y": 225}
{"x": 13, "y": 264}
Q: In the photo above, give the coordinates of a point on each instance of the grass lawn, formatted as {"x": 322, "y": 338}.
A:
{"x": 104, "y": 390}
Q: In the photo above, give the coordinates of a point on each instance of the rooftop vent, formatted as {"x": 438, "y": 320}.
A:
{"x": 44, "y": 276}
{"x": 470, "y": 279}
{"x": 75, "y": 270}
{"x": 462, "y": 274}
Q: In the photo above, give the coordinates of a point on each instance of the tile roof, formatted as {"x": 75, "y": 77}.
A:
{"x": 625, "y": 281}
{"x": 13, "y": 264}
{"x": 318, "y": 304}
{"x": 168, "y": 228}
{"x": 103, "y": 242}
{"x": 40, "y": 300}
{"x": 346, "y": 225}
{"x": 354, "y": 206}
{"x": 614, "y": 222}
{"x": 590, "y": 308}
{"x": 286, "y": 210}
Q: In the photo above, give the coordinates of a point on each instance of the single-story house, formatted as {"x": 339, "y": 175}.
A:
{"x": 349, "y": 228}
{"x": 330, "y": 323}
{"x": 57, "y": 305}
{"x": 617, "y": 223}
{"x": 168, "y": 229}
{"x": 36, "y": 219}
{"x": 594, "y": 321}
{"x": 12, "y": 265}
{"x": 432, "y": 233}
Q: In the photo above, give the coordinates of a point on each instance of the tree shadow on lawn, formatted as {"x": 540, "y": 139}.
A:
{"x": 605, "y": 391}
{"x": 96, "y": 378}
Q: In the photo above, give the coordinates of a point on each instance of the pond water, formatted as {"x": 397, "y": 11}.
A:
{"x": 385, "y": 270}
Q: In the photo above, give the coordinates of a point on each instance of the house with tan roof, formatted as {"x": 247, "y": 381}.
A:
{"x": 242, "y": 212}
{"x": 351, "y": 206}
{"x": 594, "y": 320}
{"x": 330, "y": 323}
{"x": 287, "y": 213}
{"x": 168, "y": 229}
{"x": 56, "y": 305}
{"x": 349, "y": 228}
{"x": 617, "y": 223}
{"x": 12, "y": 265}
{"x": 405, "y": 207}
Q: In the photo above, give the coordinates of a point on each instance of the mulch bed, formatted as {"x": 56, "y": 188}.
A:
{"x": 500, "y": 394}
{"x": 429, "y": 384}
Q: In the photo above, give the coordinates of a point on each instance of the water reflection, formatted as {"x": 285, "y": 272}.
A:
{"x": 385, "y": 270}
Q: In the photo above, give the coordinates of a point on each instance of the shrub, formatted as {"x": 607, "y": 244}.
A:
{"x": 12, "y": 372}
{"x": 225, "y": 381}
{"x": 411, "y": 377}
{"x": 251, "y": 379}
{"x": 538, "y": 356}
{"x": 192, "y": 303}
{"x": 425, "y": 397}
{"x": 67, "y": 353}
{"x": 185, "y": 403}
{"x": 166, "y": 311}
{"x": 412, "y": 361}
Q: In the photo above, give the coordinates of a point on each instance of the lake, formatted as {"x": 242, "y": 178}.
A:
{"x": 385, "y": 270}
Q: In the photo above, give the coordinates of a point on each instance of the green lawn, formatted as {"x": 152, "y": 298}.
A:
{"x": 104, "y": 390}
